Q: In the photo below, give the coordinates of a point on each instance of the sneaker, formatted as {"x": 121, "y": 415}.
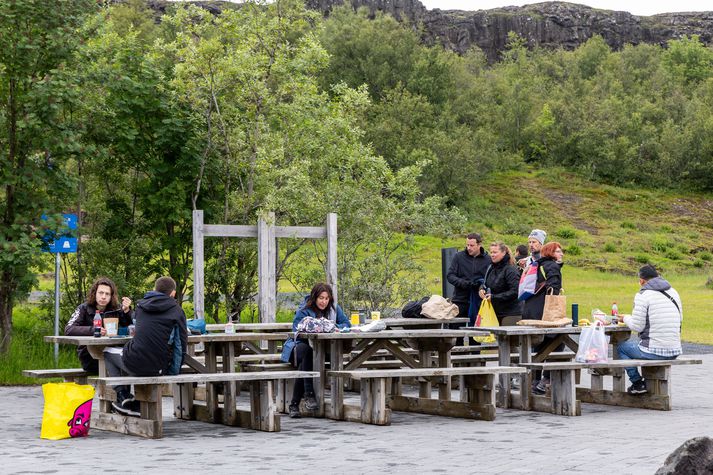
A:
{"x": 311, "y": 403}
{"x": 638, "y": 387}
{"x": 514, "y": 383}
{"x": 126, "y": 405}
{"x": 294, "y": 411}
{"x": 541, "y": 387}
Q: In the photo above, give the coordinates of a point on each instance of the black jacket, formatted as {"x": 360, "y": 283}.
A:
{"x": 81, "y": 323}
{"x": 501, "y": 281}
{"x": 549, "y": 276}
{"x": 465, "y": 272}
{"x": 148, "y": 353}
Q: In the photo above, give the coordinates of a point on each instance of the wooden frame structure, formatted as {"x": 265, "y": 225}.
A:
{"x": 267, "y": 234}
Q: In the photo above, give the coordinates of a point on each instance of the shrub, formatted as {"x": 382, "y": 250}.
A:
{"x": 698, "y": 263}
{"x": 628, "y": 225}
{"x": 573, "y": 250}
{"x": 566, "y": 232}
{"x": 642, "y": 258}
{"x": 673, "y": 254}
{"x": 609, "y": 247}
{"x": 661, "y": 244}
{"x": 705, "y": 255}
{"x": 666, "y": 229}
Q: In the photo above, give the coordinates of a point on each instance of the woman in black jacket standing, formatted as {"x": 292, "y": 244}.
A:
{"x": 500, "y": 286}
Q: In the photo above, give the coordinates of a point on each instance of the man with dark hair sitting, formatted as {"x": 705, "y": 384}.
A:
{"x": 657, "y": 316}
{"x": 160, "y": 333}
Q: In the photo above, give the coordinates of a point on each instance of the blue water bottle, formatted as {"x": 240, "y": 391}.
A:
{"x": 575, "y": 314}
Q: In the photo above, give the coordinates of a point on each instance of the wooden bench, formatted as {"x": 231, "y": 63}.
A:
{"x": 565, "y": 397}
{"x": 477, "y": 393}
{"x": 470, "y": 360}
{"x": 71, "y": 375}
{"x": 261, "y": 416}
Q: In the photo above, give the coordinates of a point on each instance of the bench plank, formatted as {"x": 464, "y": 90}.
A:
{"x": 77, "y": 375}
{"x": 611, "y": 364}
{"x": 425, "y": 372}
{"x": 207, "y": 377}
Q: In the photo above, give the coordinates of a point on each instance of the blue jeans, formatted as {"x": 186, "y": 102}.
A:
{"x": 629, "y": 350}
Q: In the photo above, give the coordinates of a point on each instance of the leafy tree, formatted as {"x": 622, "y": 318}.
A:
{"x": 37, "y": 39}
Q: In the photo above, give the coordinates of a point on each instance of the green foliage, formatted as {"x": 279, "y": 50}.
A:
{"x": 705, "y": 256}
{"x": 573, "y": 249}
{"x": 610, "y": 247}
{"x": 566, "y": 232}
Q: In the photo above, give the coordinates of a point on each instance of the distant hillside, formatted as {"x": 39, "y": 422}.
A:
{"x": 550, "y": 25}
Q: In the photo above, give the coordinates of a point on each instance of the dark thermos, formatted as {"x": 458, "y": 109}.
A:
{"x": 575, "y": 314}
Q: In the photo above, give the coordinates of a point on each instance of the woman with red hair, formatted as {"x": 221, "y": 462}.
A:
{"x": 549, "y": 276}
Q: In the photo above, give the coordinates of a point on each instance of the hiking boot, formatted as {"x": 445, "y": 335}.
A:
{"x": 294, "y": 411}
{"x": 541, "y": 387}
{"x": 638, "y": 387}
{"x": 311, "y": 403}
{"x": 126, "y": 405}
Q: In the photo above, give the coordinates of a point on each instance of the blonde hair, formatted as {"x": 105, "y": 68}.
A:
{"x": 503, "y": 248}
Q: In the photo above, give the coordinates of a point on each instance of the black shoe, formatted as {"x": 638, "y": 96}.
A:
{"x": 294, "y": 411}
{"x": 126, "y": 405}
{"x": 638, "y": 387}
{"x": 541, "y": 387}
{"x": 311, "y": 403}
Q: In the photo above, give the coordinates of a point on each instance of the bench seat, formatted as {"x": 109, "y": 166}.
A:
{"x": 477, "y": 393}
{"x": 76, "y": 375}
{"x": 565, "y": 397}
{"x": 261, "y": 416}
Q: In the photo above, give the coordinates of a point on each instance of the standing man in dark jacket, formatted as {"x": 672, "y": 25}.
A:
{"x": 466, "y": 273}
{"x": 158, "y": 317}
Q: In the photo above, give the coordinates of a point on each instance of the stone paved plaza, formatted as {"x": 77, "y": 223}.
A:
{"x": 606, "y": 440}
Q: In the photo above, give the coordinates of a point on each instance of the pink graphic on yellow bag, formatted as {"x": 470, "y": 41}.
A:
{"x": 68, "y": 409}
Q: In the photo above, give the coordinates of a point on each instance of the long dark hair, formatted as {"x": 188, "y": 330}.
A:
{"x": 316, "y": 292}
{"x": 92, "y": 299}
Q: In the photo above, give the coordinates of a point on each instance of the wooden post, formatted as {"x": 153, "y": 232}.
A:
{"x": 266, "y": 259}
{"x": 198, "y": 266}
{"x": 332, "y": 253}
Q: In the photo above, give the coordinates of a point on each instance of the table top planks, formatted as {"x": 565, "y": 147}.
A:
{"x": 517, "y": 330}
{"x": 423, "y": 372}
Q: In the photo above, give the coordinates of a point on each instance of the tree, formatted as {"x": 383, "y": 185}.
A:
{"x": 37, "y": 39}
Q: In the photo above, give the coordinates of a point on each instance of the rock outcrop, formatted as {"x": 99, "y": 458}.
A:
{"x": 549, "y": 25}
{"x": 694, "y": 457}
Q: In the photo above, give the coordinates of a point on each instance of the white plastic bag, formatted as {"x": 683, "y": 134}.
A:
{"x": 593, "y": 345}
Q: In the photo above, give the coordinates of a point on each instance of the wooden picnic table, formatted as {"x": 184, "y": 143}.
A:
{"x": 287, "y": 326}
{"x": 523, "y": 336}
{"x": 367, "y": 344}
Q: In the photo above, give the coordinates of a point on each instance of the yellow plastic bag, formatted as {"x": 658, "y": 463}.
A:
{"x": 68, "y": 408}
{"x": 486, "y": 318}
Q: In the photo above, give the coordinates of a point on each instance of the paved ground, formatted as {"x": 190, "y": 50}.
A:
{"x": 603, "y": 440}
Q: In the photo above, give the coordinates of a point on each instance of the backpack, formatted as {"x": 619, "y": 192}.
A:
{"x": 175, "y": 350}
{"x": 413, "y": 309}
{"x": 316, "y": 325}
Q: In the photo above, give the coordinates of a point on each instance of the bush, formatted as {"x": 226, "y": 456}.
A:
{"x": 705, "y": 255}
{"x": 566, "y": 233}
{"x": 672, "y": 254}
{"x": 642, "y": 258}
{"x": 628, "y": 225}
{"x": 573, "y": 250}
{"x": 698, "y": 263}
{"x": 666, "y": 229}
{"x": 609, "y": 247}
{"x": 661, "y": 244}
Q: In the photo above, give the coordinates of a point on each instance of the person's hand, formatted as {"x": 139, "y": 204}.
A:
{"x": 482, "y": 293}
{"x": 488, "y": 296}
{"x": 103, "y": 331}
{"x": 522, "y": 262}
{"x": 126, "y": 304}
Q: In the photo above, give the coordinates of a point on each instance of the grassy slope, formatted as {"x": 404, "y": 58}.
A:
{"x": 607, "y": 233}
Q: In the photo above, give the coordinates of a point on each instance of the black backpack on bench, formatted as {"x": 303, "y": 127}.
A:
{"x": 413, "y": 309}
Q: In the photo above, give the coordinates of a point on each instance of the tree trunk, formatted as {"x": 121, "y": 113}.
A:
{"x": 6, "y": 303}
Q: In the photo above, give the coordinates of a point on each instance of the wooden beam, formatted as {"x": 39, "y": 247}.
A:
{"x": 332, "y": 254}
{"x": 443, "y": 408}
{"x": 266, "y": 277}
{"x": 229, "y": 230}
{"x": 198, "y": 265}
{"x": 302, "y": 232}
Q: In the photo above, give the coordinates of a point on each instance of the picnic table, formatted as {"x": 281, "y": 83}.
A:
{"x": 287, "y": 326}
{"x": 366, "y": 344}
{"x": 523, "y": 337}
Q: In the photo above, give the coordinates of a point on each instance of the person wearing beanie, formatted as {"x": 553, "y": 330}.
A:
{"x": 657, "y": 317}
{"x": 535, "y": 241}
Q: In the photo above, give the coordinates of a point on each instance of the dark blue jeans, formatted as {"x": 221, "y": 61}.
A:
{"x": 629, "y": 350}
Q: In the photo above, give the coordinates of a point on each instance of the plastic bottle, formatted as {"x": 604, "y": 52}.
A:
{"x": 97, "y": 324}
{"x": 614, "y": 313}
{"x": 229, "y": 327}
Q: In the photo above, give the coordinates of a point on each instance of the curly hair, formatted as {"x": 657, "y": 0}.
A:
{"x": 92, "y": 299}
{"x": 548, "y": 250}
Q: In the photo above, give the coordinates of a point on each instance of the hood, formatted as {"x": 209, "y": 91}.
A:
{"x": 657, "y": 284}
{"x": 156, "y": 302}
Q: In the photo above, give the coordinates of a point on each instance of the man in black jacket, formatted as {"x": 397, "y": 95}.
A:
{"x": 466, "y": 273}
{"x": 159, "y": 317}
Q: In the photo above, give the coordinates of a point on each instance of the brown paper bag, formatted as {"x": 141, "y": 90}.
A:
{"x": 112, "y": 326}
{"x": 555, "y": 306}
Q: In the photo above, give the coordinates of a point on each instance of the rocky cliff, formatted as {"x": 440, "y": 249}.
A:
{"x": 550, "y": 24}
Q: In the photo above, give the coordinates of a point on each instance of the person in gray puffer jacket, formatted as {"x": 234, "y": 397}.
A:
{"x": 657, "y": 317}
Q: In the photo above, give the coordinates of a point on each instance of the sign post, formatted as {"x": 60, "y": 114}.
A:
{"x": 63, "y": 242}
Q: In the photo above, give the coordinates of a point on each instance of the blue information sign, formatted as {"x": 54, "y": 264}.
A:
{"x": 64, "y": 241}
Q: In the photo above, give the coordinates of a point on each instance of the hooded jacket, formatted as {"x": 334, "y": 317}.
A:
{"x": 335, "y": 314}
{"x": 656, "y": 318}
{"x": 81, "y": 323}
{"x": 465, "y": 272}
{"x": 549, "y": 276}
{"x": 148, "y": 353}
{"x": 501, "y": 281}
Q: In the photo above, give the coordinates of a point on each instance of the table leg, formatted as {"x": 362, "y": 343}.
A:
{"x": 105, "y": 393}
{"x": 526, "y": 378}
{"x": 318, "y": 362}
{"x": 336, "y": 362}
{"x": 504, "y": 360}
{"x": 444, "y": 389}
{"x": 425, "y": 386}
{"x": 211, "y": 393}
{"x": 230, "y": 388}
